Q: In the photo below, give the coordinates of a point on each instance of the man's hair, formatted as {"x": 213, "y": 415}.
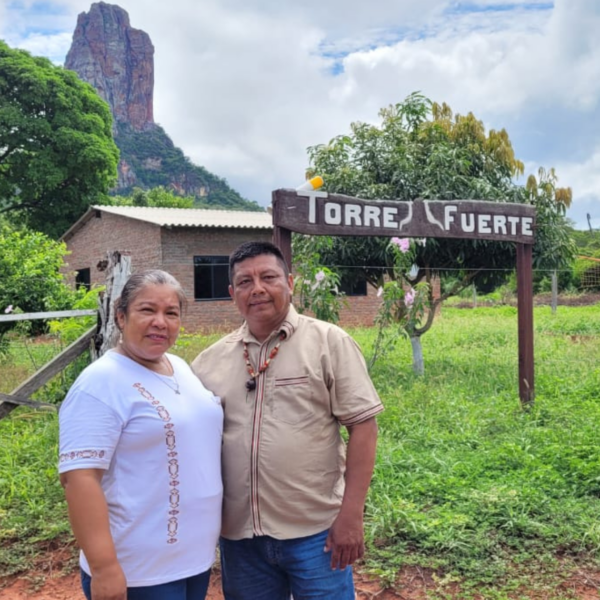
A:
{"x": 251, "y": 250}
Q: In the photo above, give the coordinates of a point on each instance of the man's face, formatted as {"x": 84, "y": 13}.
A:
{"x": 262, "y": 292}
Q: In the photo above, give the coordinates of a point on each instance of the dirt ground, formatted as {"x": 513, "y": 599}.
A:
{"x": 56, "y": 577}
{"x": 59, "y": 586}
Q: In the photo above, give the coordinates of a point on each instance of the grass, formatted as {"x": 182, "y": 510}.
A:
{"x": 497, "y": 501}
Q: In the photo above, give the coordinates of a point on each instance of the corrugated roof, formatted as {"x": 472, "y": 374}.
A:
{"x": 193, "y": 217}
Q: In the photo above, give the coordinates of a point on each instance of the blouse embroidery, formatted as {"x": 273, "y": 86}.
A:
{"x": 172, "y": 463}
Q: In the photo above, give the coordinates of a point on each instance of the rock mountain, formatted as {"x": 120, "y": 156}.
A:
{"x": 118, "y": 61}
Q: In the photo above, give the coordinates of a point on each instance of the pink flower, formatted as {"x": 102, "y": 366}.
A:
{"x": 409, "y": 298}
{"x": 320, "y": 276}
{"x": 8, "y": 309}
{"x": 402, "y": 243}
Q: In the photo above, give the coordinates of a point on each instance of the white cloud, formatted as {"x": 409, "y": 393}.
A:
{"x": 244, "y": 86}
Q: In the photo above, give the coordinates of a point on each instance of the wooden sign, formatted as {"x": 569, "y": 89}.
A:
{"x": 320, "y": 213}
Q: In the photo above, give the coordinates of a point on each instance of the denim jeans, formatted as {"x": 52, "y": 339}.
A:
{"x": 190, "y": 588}
{"x": 263, "y": 568}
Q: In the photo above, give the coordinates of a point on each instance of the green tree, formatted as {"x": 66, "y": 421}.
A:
{"x": 422, "y": 150}
{"x": 30, "y": 272}
{"x": 57, "y": 155}
{"x": 157, "y": 197}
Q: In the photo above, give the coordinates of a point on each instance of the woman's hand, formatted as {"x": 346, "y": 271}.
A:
{"x": 108, "y": 583}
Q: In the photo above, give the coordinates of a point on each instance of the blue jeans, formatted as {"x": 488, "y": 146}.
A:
{"x": 263, "y": 568}
{"x": 190, "y": 588}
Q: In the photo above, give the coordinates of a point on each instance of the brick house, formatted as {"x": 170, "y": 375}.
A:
{"x": 191, "y": 244}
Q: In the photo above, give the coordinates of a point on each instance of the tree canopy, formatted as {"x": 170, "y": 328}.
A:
{"x": 30, "y": 272}
{"x": 422, "y": 150}
{"x": 57, "y": 154}
{"x": 156, "y": 197}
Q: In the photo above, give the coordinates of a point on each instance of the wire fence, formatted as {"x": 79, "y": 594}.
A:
{"x": 570, "y": 336}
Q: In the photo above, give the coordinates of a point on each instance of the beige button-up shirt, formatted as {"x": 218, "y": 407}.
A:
{"x": 283, "y": 455}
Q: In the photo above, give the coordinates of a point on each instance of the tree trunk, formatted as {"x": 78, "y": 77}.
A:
{"x": 417, "y": 352}
{"x": 554, "y": 292}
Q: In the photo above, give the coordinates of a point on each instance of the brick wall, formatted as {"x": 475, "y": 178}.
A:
{"x": 179, "y": 248}
{"x": 107, "y": 233}
{"x": 361, "y": 310}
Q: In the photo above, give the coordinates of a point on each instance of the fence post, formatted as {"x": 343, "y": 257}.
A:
{"x": 118, "y": 272}
{"x": 525, "y": 322}
{"x": 554, "y": 292}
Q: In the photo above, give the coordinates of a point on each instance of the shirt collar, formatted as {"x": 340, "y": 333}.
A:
{"x": 287, "y": 328}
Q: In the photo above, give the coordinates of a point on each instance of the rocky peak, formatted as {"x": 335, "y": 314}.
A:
{"x": 118, "y": 61}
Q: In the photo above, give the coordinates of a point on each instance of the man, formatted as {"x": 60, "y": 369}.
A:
{"x": 293, "y": 503}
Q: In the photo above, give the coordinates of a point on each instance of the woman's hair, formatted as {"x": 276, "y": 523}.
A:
{"x": 138, "y": 281}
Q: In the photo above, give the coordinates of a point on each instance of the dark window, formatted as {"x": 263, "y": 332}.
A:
{"x": 82, "y": 279}
{"x": 353, "y": 286}
{"x": 211, "y": 278}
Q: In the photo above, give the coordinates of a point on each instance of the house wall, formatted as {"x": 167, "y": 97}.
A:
{"x": 180, "y": 246}
{"x": 173, "y": 249}
{"x": 90, "y": 244}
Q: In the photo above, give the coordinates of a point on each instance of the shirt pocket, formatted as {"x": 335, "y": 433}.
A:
{"x": 292, "y": 399}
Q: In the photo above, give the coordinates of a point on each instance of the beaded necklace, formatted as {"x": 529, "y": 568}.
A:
{"x": 251, "y": 383}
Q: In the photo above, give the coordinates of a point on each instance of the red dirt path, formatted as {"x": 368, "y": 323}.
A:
{"x": 57, "y": 578}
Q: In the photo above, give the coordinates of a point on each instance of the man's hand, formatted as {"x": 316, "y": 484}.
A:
{"x": 345, "y": 541}
{"x": 346, "y": 536}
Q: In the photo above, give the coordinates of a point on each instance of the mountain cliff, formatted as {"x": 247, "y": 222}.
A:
{"x": 118, "y": 61}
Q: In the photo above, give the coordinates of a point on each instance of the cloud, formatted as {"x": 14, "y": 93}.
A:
{"x": 244, "y": 86}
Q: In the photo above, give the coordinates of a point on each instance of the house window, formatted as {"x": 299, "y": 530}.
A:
{"x": 211, "y": 278}
{"x": 83, "y": 279}
{"x": 353, "y": 286}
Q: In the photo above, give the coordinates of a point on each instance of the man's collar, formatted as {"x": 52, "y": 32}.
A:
{"x": 287, "y": 328}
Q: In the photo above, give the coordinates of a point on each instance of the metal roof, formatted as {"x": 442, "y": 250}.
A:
{"x": 193, "y": 217}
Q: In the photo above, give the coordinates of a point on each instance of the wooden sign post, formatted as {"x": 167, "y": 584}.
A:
{"x": 318, "y": 213}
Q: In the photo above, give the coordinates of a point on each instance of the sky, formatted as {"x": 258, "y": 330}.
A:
{"x": 244, "y": 87}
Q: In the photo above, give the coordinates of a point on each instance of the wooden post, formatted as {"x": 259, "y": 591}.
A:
{"x": 554, "y": 291}
{"x": 282, "y": 237}
{"x": 525, "y": 322}
{"x": 119, "y": 270}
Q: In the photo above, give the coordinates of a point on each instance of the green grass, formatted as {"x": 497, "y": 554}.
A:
{"x": 469, "y": 483}
{"x": 501, "y": 500}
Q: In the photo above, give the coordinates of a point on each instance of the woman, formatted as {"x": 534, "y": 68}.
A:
{"x": 140, "y": 443}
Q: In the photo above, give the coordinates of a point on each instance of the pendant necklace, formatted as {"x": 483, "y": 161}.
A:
{"x": 166, "y": 380}
{"x": 251, "y": 383}
{"x": 163, "y": 378}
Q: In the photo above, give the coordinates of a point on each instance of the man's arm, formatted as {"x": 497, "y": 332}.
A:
{"x": 346, "y": 535}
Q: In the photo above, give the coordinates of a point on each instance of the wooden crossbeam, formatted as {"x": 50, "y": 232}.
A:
{"x": 21, "y": 401}
{"x": 57, "y": 314}
{"x": 48, "y": 371}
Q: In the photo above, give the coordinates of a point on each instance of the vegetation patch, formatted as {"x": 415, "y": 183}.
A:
{"x": 489, "y": 500}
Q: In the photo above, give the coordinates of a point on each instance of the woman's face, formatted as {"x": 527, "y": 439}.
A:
{"x": 151, "y": 325}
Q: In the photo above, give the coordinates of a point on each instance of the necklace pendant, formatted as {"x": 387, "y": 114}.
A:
{"x": 251, "y": 384}
{"x": 178, "y": 392}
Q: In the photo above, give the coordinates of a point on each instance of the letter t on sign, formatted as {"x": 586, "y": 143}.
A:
{"x": 312, "y": 202}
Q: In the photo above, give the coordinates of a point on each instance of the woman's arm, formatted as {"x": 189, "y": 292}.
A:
{"x": 88, "y": 513}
